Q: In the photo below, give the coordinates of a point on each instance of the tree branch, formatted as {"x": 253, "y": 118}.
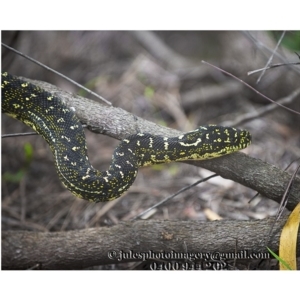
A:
{"x": 91, "y": 247}
{"x": 118, "y": 123}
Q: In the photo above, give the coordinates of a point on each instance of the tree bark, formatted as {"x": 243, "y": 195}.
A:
{"x": 133, "y": 241}
{"x": 90, "y": 247}
{"x": 263, "y": 177}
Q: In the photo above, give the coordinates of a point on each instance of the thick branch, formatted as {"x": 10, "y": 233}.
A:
{"x": 90, "y": 247}
{"x": 118, "y": 123}
{"x": 81, "y": 249}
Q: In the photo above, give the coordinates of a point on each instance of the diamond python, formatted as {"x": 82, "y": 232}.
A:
{"x": 60, "y": 127}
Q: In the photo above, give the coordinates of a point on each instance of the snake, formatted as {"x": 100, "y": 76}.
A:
{"x": 59, "y": 125}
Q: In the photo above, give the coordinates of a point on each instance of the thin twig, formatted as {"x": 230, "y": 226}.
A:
{"x": 25, "y": 133}
{"x": 252, "y": 88}
{"x": 272, "y": 67}
{"x": 17, "y": 134}
{"x": 172, "y": 196}
{"x": 260, "y": 45}
{"x": 284, "y": 200}
{"x": 286, "y": 194}
{"x": 56, "y": 72}
{"x": 262, "y": 110}
{"x": 271, "y": 57}
{"x": 284, "y": 170}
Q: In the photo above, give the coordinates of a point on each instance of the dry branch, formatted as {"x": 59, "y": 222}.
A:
{"x": 85, "y": 248}
{"x": 90, "y": 247}
{"x": 118, "y": 123}
{"x": 210, "y": 94}
{"x": 161, "y": 51}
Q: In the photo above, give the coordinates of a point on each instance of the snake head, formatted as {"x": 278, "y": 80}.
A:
{"x": 213, "y": 141}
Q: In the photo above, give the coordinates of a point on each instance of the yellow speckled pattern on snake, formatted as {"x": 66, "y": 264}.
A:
{"x": 62, "y": 130}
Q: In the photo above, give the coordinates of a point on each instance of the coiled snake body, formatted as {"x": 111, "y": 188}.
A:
{"x": 62, "y": 130}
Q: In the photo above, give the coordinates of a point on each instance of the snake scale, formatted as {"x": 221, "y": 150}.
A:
{"x": 61, "y": 128}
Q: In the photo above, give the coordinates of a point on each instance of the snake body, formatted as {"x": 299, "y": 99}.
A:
{"x": 61, "y": 128}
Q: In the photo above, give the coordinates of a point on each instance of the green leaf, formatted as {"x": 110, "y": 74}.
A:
{"x": 149, "y": 92}
{"x": 15, "y": 178}
{"x": 279, "y": 259}
{"x": 28, "y": 151}
{"x": 291, "y": 39}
